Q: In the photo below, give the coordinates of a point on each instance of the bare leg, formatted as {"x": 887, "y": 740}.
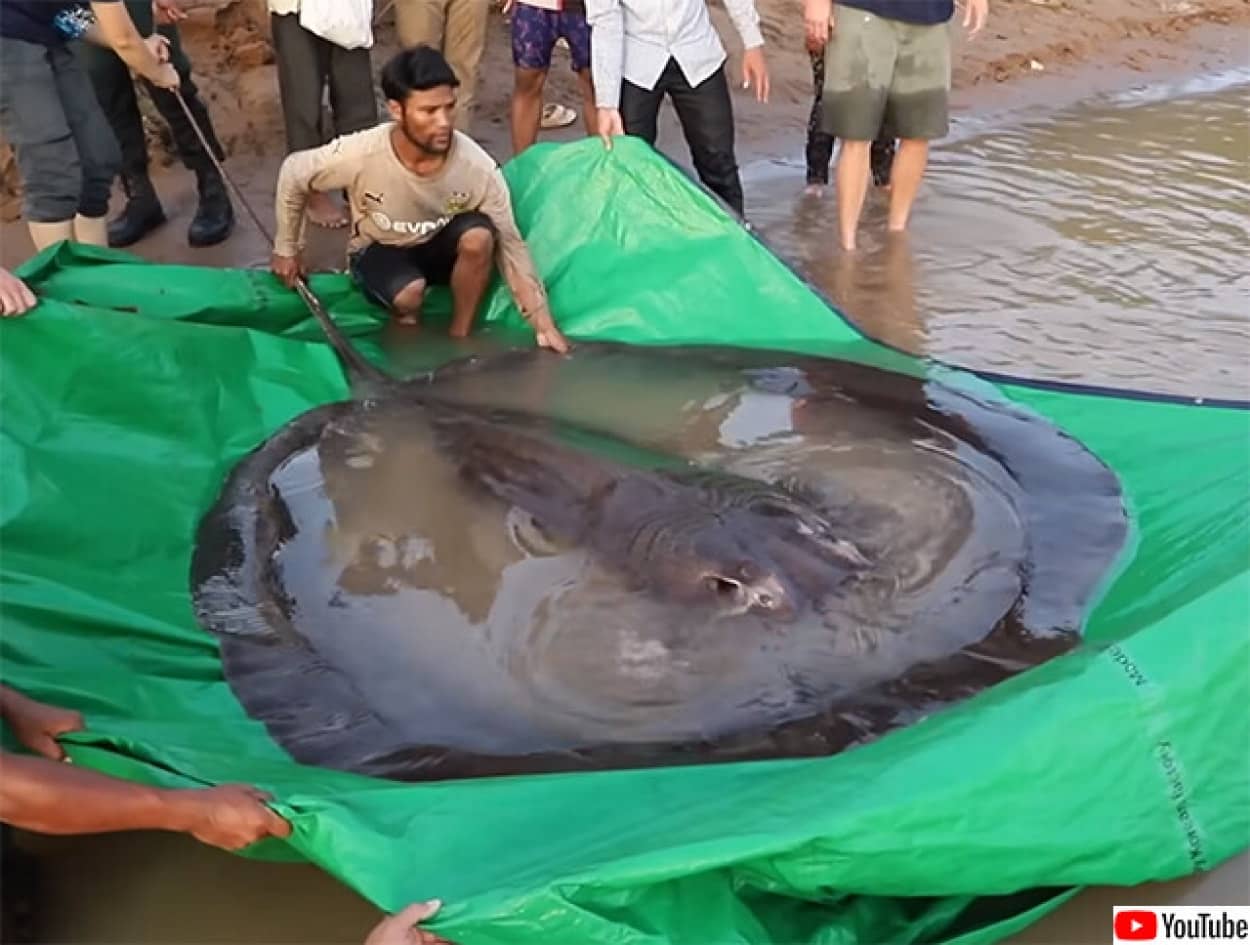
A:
{"x": 589, "y": 112}
{"x": 852, "y": 181}
{"x": 408, "y": 301}
{"x": 475, "y": 256}
{"x": 909, "y": 165}
{"x": 527, "y": 106}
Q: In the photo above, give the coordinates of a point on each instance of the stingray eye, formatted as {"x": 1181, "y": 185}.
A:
{"x": 721, "y": 585}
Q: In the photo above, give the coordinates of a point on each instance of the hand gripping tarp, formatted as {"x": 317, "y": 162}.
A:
{"x": 133, "y": 388}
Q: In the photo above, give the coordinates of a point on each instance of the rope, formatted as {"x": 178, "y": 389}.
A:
{"x": 305, "y": 293}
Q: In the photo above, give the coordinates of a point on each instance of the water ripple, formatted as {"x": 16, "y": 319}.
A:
{"x": 1104, "y": 245}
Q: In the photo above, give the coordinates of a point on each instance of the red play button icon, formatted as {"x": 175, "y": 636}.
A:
{"x": 1136, "y": 925}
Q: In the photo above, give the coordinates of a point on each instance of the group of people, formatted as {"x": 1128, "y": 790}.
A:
{"x": 427, "y": 204}
{"x": 881, "y": 75}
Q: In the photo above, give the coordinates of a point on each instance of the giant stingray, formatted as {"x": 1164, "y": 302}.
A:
{"x": 738, "y": 612}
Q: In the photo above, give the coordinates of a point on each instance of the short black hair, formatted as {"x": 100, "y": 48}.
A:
{"x": 415, "y": 70}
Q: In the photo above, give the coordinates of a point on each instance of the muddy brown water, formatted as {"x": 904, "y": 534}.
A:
{"x": 1132, "y": 209}
{"x": 1103, "y": 244}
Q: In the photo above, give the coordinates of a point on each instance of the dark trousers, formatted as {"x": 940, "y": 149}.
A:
{"x": 820, "y": 143}
{"x": 115, "y": 90}
{"x": 306, "y": 62}
{"x": 707, "y": 120}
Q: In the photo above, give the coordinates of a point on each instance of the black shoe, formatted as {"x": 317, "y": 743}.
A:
{"x": 143, "y": 212}
{"x": 214, "y": 218}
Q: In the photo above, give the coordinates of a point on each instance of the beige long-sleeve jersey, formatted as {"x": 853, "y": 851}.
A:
{"x": 392, "y": 205}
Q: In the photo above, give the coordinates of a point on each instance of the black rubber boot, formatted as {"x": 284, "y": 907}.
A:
{"x": 143, "y": 212}
{"x": 214, "y": 218}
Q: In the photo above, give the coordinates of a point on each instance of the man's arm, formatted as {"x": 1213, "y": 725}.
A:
{"x": 746, "y": 20}
{"x": 607, "y": 52}
{"x": 332, "y": 166}
{"x": 55, "y": 798}
{"x": 517, "y": 266}
{"x": 515, "y": 262}
{"x": 115, "y": 29}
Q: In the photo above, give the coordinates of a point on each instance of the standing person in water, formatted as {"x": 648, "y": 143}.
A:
{"x": 429, "y": 206}
{"x": 644, "y": 50}
{"x": 819, "y": 151}
{"x": 66, "y": 152}
{"x": 888, "y": 65}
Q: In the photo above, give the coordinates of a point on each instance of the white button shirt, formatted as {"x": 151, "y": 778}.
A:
{"x": 634, "y": 39}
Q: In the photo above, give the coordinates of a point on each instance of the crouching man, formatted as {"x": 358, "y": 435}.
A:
{"x": 429, "y": 206}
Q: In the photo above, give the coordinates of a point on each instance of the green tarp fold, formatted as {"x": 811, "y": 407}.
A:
{"x": 130, "y": 392}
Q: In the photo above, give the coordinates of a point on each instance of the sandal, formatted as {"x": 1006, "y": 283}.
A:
{"x": 557, "y": 116}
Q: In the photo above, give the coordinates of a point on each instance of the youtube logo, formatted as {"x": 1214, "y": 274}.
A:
{"x": 1191, "y": 925}
{"x": 1136, "y": 925}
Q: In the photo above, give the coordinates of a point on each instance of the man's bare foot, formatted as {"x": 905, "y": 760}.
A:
{"x": 814, "y": 190}
{"x": 324, "y": 210}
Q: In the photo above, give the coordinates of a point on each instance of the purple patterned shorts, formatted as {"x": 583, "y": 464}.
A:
{"x": 535, "y": 31}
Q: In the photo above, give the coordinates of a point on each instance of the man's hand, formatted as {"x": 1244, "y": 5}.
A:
{"x": 549, "y": 335}
{"x": 230, "y": 816}
{"x": 755, "y": 72}
{"x": 976, "y": 12}
{"x": 399, "y": 929}
{"x": 609, "y": 123}
{"x": 15, "y": 295}
{"x": 158, "y": 45}
{"x": 166, "y": 76}
{"x": 817, "y": 23}
{"x": 167, "y": 12}
{"x": 290, "y": 269}
{"x": 36, "y": 724}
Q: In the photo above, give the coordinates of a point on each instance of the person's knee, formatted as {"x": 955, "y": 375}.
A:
{"x": 52, "y": 183}
{"x": 49, "y": 206}
{"x": 98, "y": 172}
{"x": 529, "y": 82}
{"x": 476, "y": 244}
{"x": 410, "y": 298}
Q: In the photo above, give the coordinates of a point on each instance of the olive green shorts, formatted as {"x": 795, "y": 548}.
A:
{"x": 887, "y": 75}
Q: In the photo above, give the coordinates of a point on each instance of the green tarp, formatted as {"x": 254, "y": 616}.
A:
{"x": 134, "y": 387}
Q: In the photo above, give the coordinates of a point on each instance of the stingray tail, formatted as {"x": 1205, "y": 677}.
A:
{"x": 358, "y": 367}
